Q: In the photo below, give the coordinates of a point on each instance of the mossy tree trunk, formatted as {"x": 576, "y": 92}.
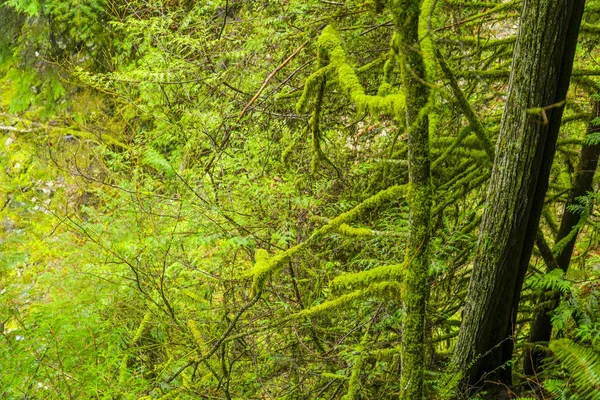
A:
{"x": 540, "y": 74}
{"x": 541, "y": 327}
{"x": 415, "y": 286}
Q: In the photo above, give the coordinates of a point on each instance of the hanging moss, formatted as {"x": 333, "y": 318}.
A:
{"x": 311, "y": 88}
{"x": 386, "y": 354}
{"x": 330, "y": 48}
{"x": 142, "y": 328}
{"x": 389, "y": 194}
{"x": 265, "y": 265}
{"x": 479, "y": 156}
{"x": 589, "y": 28}
{"x": 426, "y": 20}
{"x": 390, "y": 65}
{"x": 329, "y": 375}
{"x": 487, "y": 43}
{"x": 469, "y": 142}
{"x": 462, "y": 186}
{"x": 140, "y": 332}
{"x": 315, "y": 128}
{"x": 383, "y": 59}
{"x": 289, "y": 150}
{"x": 490, "y": 74}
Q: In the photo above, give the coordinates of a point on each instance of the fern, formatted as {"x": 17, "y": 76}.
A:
{"x": 553, "y": 280}
{"x": 556, "y": 387}
{"x": 583, "y": 365}
{"x": 157, "y": 161}
{"x": 592, "y": 138}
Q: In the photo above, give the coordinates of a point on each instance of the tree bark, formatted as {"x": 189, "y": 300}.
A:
{"x": 541, "y": 327}
{"x": 415, "y": 283}
{"x": 540, "y": 74}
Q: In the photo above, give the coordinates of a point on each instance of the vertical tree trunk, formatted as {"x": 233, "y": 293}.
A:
{"x": 415, "y": 287}
{"x": 541, "y": 327}
{"x": 541, "y": 69}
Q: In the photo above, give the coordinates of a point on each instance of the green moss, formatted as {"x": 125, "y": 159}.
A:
{"x": 462, "y": 134}
{"x": 142, "y": 328}
{"x": 328, "y": 375}
{"x": 357, "y": 367}
{"x": 265, "y": 265}
{"x": 491, "y": 74}
{"x": 348, "y": 230}
{"x": 426, "y": 19}
{"x": 386, "y": 290}
{"x": 487, "y": 43}
{"x": 590, "y": 28}
{"x": 311, "y": 87}
{"x": 462, "y": 186}
{"x": 330, "y": 49}
{"x": 468, "y": 111}
{"x": 197, "y": 335}
{"x": 313, "y": 123}
{"x": 386, "y": 354}
{"x": 406, "y": 15}
{"x": 289, "y": 150}
{"x": 363, "y": 279}
{"x": 389, "y": 66}
{"x": 373, "y": 64}
{"x": 389, "y": 194}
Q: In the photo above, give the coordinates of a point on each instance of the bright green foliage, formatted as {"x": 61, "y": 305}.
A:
{"x": 156, "y": 242}
{"x": 583, "y": 366}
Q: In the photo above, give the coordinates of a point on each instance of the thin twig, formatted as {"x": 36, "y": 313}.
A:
{"x": 224, "y": 19}
{"x": 271, "y": 75}
{"x": 15, "y": 129}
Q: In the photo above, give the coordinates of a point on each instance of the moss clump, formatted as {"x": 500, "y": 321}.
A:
{"x": 351, "y": 231}
{"x": 362, "y": 279}
{"x": 334, "y": 62}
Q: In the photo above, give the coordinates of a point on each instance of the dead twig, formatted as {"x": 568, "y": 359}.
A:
{"x": 268, "y": 79}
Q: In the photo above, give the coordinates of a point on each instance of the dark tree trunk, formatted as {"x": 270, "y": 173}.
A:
{"x": 541, "y": 327}
{"x": 541, "y": 70}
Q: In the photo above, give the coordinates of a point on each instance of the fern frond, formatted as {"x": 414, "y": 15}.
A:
{"x": 557, "y": 387}
{"x": 553, "y": 280}
{"x": 583, "y": 365}
{"x": 157, "y": 161}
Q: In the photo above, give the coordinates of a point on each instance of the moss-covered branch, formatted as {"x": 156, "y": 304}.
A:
{"x": 265, "y": 265}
